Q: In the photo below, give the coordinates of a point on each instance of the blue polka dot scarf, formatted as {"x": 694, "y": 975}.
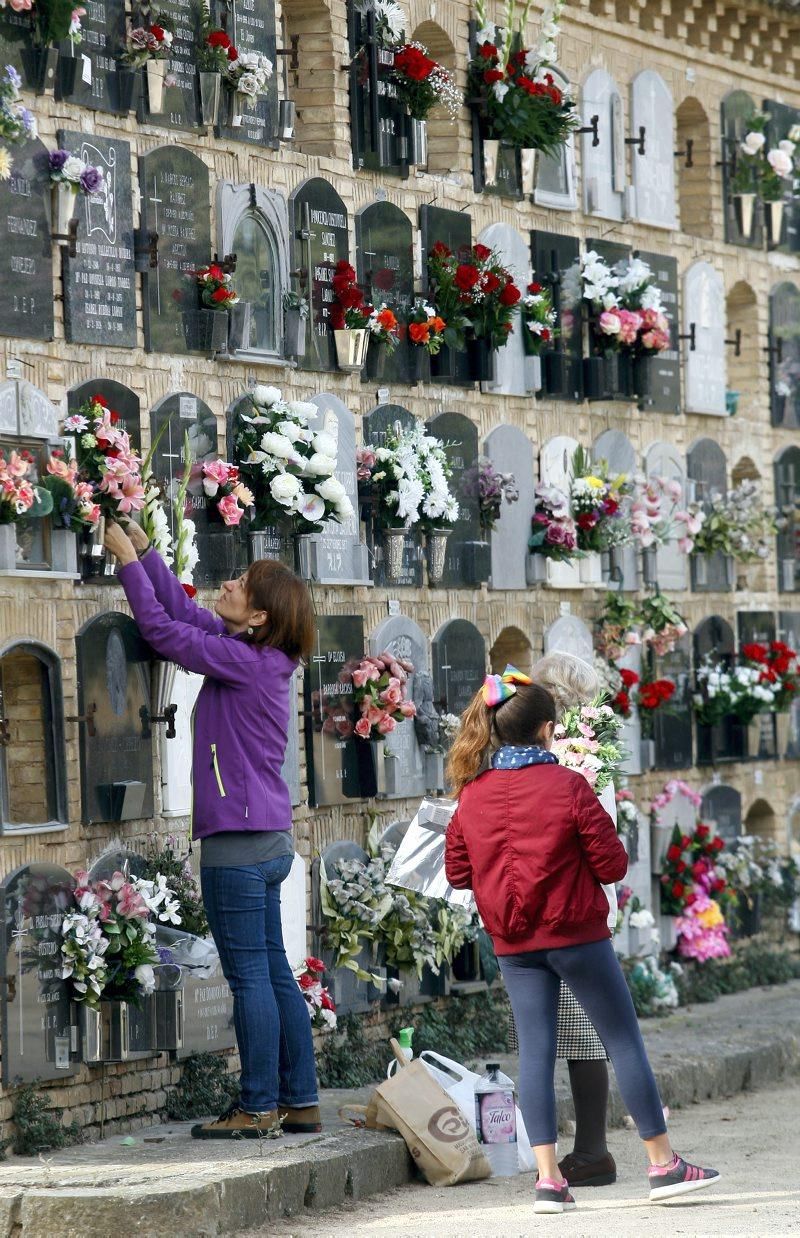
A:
{"x": 516, "y": 756}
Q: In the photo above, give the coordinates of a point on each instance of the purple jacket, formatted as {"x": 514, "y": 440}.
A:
{"x": 241, "y": 720}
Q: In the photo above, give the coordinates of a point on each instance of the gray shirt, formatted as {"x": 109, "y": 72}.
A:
{"x": 237, "y": 848}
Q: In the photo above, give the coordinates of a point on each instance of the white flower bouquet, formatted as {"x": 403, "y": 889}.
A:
{"x": 410, "y": 482}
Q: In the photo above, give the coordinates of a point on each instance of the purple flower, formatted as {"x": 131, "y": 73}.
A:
{"x": 13, "y": 76}
{"x": 165, "y": 955}
{"x": 29, "y": 121}
{"x": 91, "y": 180}
{"x": 57, "y": 159}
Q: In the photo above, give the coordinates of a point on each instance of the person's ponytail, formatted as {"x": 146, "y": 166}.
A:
{"x": 469, "y": 746}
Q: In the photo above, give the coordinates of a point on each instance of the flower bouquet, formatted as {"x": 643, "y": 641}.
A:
{"x": 106, "y": 460}
{"x": 617, "y": 627}
{"x": 74, "y": 504}
{"x": 538, "y": 318}
{"x": 150, "y": 47}
{"x": 422, "y": 84}
{"x": 654, "y": 510}
{"x": 70, "y": 176}
{"x": 247, "y": 77}
{"x": 162, "y": 860}
{"x": 216, "y": 288}
{"x": 380, "y": 692}
{"x": 586, "y": 740}
{"x": 690, "y": 869}
{"x": 321, "y": 1008}
{"x": 351, "y": 318}
{"x": 408, "y": 481}
{"x": 474, "y": 294}
{"x": 384, "y": 328}
{"x": 17, "y": 493}
{"x": 491, "y": 489}
{"x": 778, "y": 666}
{"x": 17, "y": 124}
{"x": 231, "y": 498}
{"x": 214, "y": 52}
{"x": 354, "y": 899}
{"x": 736, "y": 524}
{"x": 597, "y": 504}
{"x": 553, "y": 532}
{"x": 286, "y": 466}
{"x": 108, "y": 945}
{"x": 738, "y": 690}
{"x": 426, "y": 329}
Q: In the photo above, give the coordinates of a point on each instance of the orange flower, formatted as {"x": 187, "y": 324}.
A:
{"x": 419, "y": 333}
{"x": 438, "y": 324}
{"x": 387, "y": 320}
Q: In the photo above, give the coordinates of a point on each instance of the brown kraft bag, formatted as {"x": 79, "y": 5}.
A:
{"x": 437, "y": 1134}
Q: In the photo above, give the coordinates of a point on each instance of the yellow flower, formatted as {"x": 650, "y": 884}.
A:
{"x": 5, "y": 164}
{"x": 594, "y": 482}
{"x": 712, "y": 916}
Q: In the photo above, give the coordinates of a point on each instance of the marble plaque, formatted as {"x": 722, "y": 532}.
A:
{"x": 654, "y": 171}
{"x": 341, "y": 556}
{"x": 175, "y": 204}
{"x": 755, "y": 627}
{"x": 100, "y": 282}
{"x": 253, "y": 30}
{"x": 403, "y": 638}
{"x": 569, "y": 634}
{"x": 555, "y": 462}
{"x": 458, "y": 654}
{"x": 705, "y": 368}
{"x": 176, "y": 754}
{"x": 511, "y": 451}
{"x": 26, "y": 412}
{"x": 602, "y": 166}
{"x": 319, "y": 239}
{"x": 114, "y": 698}
{"x": 664, "y": 460}
{"x": 102, "y": 40}
{"x": 510, "y": 369}
{"x": 337, "y": 762}
{"x": 665, "y": 384}
{"x": 375, "y": 426}
{"x": 385, "y": 264}
{"x": 722, "y": 808}
{"x": 207, "y": 1014}
{"x": 120, "y": 398}
{"x": 784, "y": 359}
{"x": 26, "y": 309}
{"x": 35, "y": 1000}
{"x": 453, "y": 229}
{"x": 467, "y": 562}
{"x": 616, "y": 449}
{"x": 117, "y": 859}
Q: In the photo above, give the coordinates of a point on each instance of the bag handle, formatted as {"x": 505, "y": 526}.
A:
{"x": 398, "y": 1052}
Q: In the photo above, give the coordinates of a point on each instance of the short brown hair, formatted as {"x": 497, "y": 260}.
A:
{"x": 289, "y": 625}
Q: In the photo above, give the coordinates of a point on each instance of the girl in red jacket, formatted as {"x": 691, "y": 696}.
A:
{"x": 532, "y": 842}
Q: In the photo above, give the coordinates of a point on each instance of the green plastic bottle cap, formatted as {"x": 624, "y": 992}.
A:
{"x": 404, "y": 1037}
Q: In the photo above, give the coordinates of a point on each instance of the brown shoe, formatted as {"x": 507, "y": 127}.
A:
{"x": 581, "y": 1171}
{"x": 235, "y": 1123}
{"x": 300, "y": 1121}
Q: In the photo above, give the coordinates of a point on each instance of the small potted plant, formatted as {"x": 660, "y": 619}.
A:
{"x": 69, "y": 177}
{"x": 295, "y": 317}
{"x": 350, "y": 319}
{"x": 215, "y": 53}
{"x": 247, "y": 77}
{"x": 148, "y": 47}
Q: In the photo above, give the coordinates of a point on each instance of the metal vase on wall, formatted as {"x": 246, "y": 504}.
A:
{"x": 527, "y": 159}
{"x": 210, "y": 85}
{"x": 491, "y": 153}
{"x": 240, "y": 317}
{"x": 155, "y": 72}
{"x": 436, "y": 548}
{"x": 773, "y": 214}
{"x": 351, "y": 348}
{"x": 394, "y": 542}
{"x": 294, "y": 333}
{"x": 744, "y": 207}
{"x": 418, "y": 130}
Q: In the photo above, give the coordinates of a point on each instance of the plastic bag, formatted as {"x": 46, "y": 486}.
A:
{"x": 418, "y": 864}
{"x": 198, "y": 955}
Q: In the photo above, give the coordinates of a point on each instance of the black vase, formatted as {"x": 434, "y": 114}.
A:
{"x": 643, "y": 379}
{"x": 67, "y": 74}
{"x": 443, "y": 364}
{"x": 39, "y": 65}
{"x": 124, "y": 86}
{"x": 594, "y": 378}
{"x": 367, "y": 773}
{"x": 480, "y": 358}
{"x": 419, "y": 363}
{"x": 556, "y": 368}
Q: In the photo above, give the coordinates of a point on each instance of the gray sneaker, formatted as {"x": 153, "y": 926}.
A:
{"x": 553, "y": 1196}
{"x": 678, "y": 1178}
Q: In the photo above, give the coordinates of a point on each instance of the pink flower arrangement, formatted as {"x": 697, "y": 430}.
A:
{"x": 653, "y": 510}
{"x": 17, "y": 495}
{"x": 107, "y": 464}
{"x": 231, "y": 497}
{"x": 553, "y": 531}
{"x": 702, "y": 931}
{"x": 674, "y": 787}
{"x": 380, "y": 691}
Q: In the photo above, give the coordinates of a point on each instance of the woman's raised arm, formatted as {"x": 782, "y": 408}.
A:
{"x": 172, "y": 596}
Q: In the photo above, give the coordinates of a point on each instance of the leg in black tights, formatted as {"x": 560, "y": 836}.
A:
{"x": 589, "y": 1082}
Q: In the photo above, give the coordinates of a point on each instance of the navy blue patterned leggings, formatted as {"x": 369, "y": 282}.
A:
{"x": 595, "y": 977}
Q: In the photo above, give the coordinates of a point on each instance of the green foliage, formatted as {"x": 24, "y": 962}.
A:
{"x": 205, "y": 1087}
{"x": 162, "y": 857}
{"x": 751, "y": 965}
{"x": 37, "y": 1127}
{"x": 53, "y": 19}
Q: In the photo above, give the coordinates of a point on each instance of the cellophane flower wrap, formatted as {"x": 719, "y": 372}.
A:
{"x": 17, "y": 493}
{"x": 538, "y": 318}
{"x": 586, "y": 740}
{"x": 521, "y": 100}
{"x": 408, "y": 484}
{"x": 228, "y": 495}
{"x": 380, "y": 693}
{"x": 106, "y": 460}
{"x": 553, "y": 532}
{"x": 321, "y": 1007}
{"x": 474, "y": 293}
{"x": 286, "y": 465}
{"x": 108, "y": 947}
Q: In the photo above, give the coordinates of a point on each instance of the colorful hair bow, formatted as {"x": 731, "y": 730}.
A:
{"x": 498, "y": 688}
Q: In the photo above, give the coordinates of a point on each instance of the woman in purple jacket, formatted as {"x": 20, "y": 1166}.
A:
{"x": 241, "y": 808}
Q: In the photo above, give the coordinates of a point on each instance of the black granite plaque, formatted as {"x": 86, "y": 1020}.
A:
{"x": 100, "y": 282}
{"x": 736, "y": 110}
{"x": 175, "y": 204}
{"x": 755, "y": 627}
{"x": 319, "y": 240}
{"x": 672, "y": 731}
{"x": 103, "y": 37}
{"x": 35, "y": 1000}
{"x": 784, "y": 354}
{"x": 556, "y": 265}
{"x": 727, "y": 741}
{"x": 467, "y": 561}
{"x": 181, "y": 100}
{"x": 782, "y": 119}
{"x": 664, "y": 394}
{"x": 253, "y": 30}
{"x": 384, "y": 245}
{"x": 722, "y": 807}
{"x": 339, "y": 764}
{"x": 378, "y": 120}
{"x": 120, "y": 398}
{"x": 15, "y": 37}
{"x": 116, "y": 745}
{"x": 376, "y": 424}
{"x": 453, "y": 229}
{"x": 459, "y": 665}
{"x": 26, "y": 310}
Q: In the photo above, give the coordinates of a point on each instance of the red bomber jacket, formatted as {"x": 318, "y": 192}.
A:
{"x": 534, "y": 844}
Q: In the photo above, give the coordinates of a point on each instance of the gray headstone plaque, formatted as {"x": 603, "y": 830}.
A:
{"x": 175, "y": 204}
{"x": 617, "y": 450}
{"x": 319, "y": 239}
{"x": 458, "y": 654}
{"x": 116, "y": 745}
{"x": 100, "y": 282}
{"x": 117, "y": 859}
{"x": 704, "y": 306}
{"x": 664, "y": 460}
{"x": 510, "y": 376}
{"x": 26, "y": 309}
{"x": 341, "y": 556}
{"x": 707, "y": 473}
{"x": 603, "y": 166}
{"x": 375, "y": 426}
{"x": 26, "y": 411}
{"x": 722, "y": 807}
{"x": 120, "y": 398}
{"x": 350, "y": 995}
{"x": 569, "y": 634}
{"x": 403, "y": 638}
{"x": 253, "y": 30}
{"x": 665, "y": 385}
{"x": 654, "y": 171}
{"x": 335, "y": 758}
{"x": 103, "y": 37}
{"x": 35, "y": 1000}
{"x": 511, "y": 451}
{"x": 555, "y": 462}
{"x": 207, "y": 1014}
{"x": 384, "y": 245}
{"x": 467, "y": 561}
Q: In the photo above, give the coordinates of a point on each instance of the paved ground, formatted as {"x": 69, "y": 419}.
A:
{"x": 752, "y": 1139}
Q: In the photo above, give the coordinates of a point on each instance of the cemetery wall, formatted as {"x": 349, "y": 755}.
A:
{"x": 50, "y": 609}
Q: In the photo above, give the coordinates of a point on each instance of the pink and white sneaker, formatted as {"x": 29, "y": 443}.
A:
{"x": 678, "y": 1178}
{"x": 553, "y": 1196}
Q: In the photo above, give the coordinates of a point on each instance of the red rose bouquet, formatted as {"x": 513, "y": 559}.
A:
{"x": 778, "y": 666}
{"x": 321, "y": 1008}
{"x": 538, "y": 319}
{"x": 216, "y": 288}
{"x": 422, "y": 83}
{"x": 474, "y": 293}
{"x": 215, "y": 49}
{"x": 349, "y": 312}
{"x": 690, "y": 870}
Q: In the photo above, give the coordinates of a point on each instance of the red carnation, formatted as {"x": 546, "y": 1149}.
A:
{"x": 674, "y": 852}
{"x": 510, "y": 295}
{"x": 718, "y": 884}
{"x": 492, "y": 75}
{"x": 544, "y": 336}
{"x": 487, "y": 51}
{"x": 629, "y": 678}
{"x": 680, "y": 867}
{"x": 718, "y": 843}
{"x": 755, "y": 652}
{"x": 466, "y": 276}
{"x": 555, "y": 94}
{"x": 622, "y": 702}
{"x": 587, "y": 520}
{"x": 315, "y": 964}
{"x": 678, "y": 889}
{"x": 326, "y": 1001}
{"x": 337, "y": 318}
{"x": 101, "y": 400}
{"x": 218, "y": 38}
{"x": 307, "y": 982}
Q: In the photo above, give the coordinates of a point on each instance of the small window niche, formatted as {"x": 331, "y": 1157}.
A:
{"x": 253, "y": 225}
{"x": 28, "y": 424}
{"x": 555, "y": 174}
{"x": 33, "y": 795}
{"x": 694, "y": 169}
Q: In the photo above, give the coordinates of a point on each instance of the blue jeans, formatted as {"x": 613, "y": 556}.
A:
{"x": 273, "y": 1029}
{"x": 594, "y": 975}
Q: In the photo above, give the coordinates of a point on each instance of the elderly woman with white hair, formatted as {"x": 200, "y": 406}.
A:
{"x": 571, "y": 682}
